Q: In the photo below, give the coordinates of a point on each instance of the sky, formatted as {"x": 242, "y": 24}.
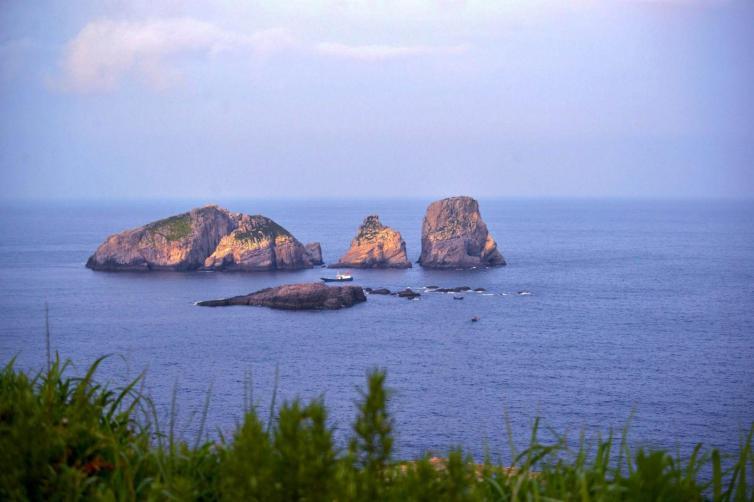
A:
{"x": 119, "y": 100}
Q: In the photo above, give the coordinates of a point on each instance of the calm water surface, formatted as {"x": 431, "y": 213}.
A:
{"x": 644, "y": 305}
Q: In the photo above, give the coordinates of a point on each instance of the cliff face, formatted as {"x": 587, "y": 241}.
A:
{"x": 257, "y": 244}
{"x": 315, "y": 253}
{"x": 180, "y": 242}
{"x": 375, "y": 246}
{"x": 209, "y": 237}
{"x": 455, "y": 236}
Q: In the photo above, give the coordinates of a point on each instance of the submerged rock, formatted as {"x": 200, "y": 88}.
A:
{"x": 180, "y": 242}
{"x": 455, "y": 236}
{"x": 258, "y": 244}
{"x": 458, "y": 289}
{"x": 375, "y": 246}
{"x": 209, "y": 237}
{"x": 408, "y": 293}
{"x": 380, "y": 291}
{"x": 310, "y": 296}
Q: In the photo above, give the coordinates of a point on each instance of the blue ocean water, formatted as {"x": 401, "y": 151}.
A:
{"x": 643, "y": 307}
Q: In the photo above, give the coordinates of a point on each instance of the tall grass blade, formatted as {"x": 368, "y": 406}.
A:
{"x": 274, "y": 397}
{"x": 47, "y": 336}
{"x": 203, "y": 422}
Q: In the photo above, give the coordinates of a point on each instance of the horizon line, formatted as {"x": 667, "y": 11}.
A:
{"x": 203, "y": 200}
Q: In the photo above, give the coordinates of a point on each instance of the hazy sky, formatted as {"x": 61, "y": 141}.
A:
{"x": 631, "y": 98}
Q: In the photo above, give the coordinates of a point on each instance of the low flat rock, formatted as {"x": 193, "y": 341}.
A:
{"x": 408, "y": 293}
{"x": 458, "y": 289}
{"x": 309, "y": 296}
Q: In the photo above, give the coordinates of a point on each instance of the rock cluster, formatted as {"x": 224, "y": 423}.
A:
{"x": 455, "y": 236}
{"x": 210, "y": 238}
{"x": 297, "y": 297}
{"x": 375, "y": 246}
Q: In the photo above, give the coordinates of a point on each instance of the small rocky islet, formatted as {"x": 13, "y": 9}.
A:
{"x": 375, "y": 246}
{"x": 307, "y": 296}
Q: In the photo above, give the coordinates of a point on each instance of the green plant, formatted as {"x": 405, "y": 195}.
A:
{"x": 173, "y": 228}
{"x": 64, "y": 437}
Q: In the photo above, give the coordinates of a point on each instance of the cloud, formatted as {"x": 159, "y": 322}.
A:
{"x": 682, "y": 3}
{"x": 106, "y": 51}
{"x": 383, "y": 52}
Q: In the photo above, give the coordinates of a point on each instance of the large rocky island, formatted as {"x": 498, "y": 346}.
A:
{"x": 210, "y": 238}
{"x": 375, "y": 246}
{"x": 455, "y": 236}
{"x": 297, "y": 297}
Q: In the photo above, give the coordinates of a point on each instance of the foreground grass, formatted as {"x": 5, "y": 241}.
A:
{"x": 65, "y": 438}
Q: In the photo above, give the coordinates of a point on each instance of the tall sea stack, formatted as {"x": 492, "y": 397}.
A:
{"x": 455, "y": 236}
{"x": 375, "y": 246}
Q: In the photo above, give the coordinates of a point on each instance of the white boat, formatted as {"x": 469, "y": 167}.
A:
{"x": 338, "y": 278}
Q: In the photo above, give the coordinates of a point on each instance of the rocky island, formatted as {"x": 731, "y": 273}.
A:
{"x": 297, "y": 297}
{"x": 375, "y": 246}
{"x": 455, "y": 236}
{"x": 208, "y": 238}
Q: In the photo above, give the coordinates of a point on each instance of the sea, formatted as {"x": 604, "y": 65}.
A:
{"x": 611, "y": 315}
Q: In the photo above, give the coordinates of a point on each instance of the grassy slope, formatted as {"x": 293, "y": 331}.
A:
{"x": 69, "y": 438}
{"x": 173, "y": 228}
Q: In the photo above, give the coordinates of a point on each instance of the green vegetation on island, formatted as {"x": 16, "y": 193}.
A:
{"x": 68, "y": 438}
{"x": 173, "y": 228}
{"x": 258, "y": 229}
